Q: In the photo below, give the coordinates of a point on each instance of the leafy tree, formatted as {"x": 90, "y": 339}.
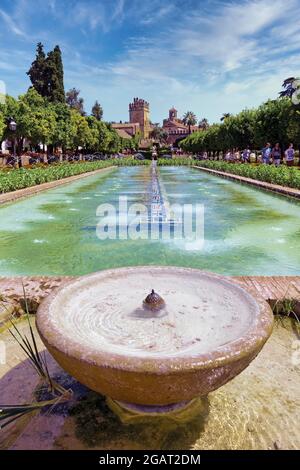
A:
{"x": 136, "y": 139}
{"x": 97, "y": 111}
{"x": 11, "y": 109}
{"x": 104, "y": 131}
{"x": 159, "y": 133}
{"x": 271, "y": 122}
{"x": 37, "y": 120}
{"x": 274, "y": 121}
{"x": 189, "y": 119}
{"x": 74, "y": 101}
{"x": 80, "y": 135}
{"x": 2, "y": 125}
{"x": 293, "y": 129}
{"x": 114, "y": 145}
{"x": 62, "y": 136}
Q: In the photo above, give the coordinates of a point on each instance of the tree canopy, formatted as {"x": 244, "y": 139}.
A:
{"x": 274, "y": 121}
{"x": 159, "y": 133}
{"x": 56, "y": 124}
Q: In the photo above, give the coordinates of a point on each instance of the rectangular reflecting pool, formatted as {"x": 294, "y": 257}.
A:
{"x": 246, "y": 231}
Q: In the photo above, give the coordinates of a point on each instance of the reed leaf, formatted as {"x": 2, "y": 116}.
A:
{"x": 10, "y": 413}
{"x": 29, "y": 347}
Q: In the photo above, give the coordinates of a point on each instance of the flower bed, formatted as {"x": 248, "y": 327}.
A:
{"x": 23, "y": 178}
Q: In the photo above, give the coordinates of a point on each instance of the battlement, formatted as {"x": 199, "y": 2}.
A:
{"x": 139, "y": 111}
{"x": 138, "y": 104}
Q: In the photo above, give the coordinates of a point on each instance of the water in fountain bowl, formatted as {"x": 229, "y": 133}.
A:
{"x": 101, "y": 320}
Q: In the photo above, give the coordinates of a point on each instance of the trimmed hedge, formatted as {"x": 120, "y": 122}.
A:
{"x": 26, "y": 177}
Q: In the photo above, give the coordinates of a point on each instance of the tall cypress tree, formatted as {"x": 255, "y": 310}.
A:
{"x": 47, "y": 75}
{"x": 55, "y": 76}
{"x": 37, "y": 71}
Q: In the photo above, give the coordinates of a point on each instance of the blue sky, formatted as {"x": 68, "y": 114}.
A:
{"x": 206, "y": 56}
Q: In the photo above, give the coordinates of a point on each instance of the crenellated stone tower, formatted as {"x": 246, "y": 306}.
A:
{"x": 139, "y": 113}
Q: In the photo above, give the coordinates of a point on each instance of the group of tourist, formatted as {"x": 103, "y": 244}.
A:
{"x": 269, "y": 155}
{"x": 274, "y": 154}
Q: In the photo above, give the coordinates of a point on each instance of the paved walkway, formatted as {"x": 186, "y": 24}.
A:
{"x": 272, "y": 287}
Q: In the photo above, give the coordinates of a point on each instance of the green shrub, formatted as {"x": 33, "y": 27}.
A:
{"x": 282, "y": 175}
{"x": 25, "y": 177}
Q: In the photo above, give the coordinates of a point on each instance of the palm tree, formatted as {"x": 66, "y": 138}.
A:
{"x": 203, "y": 124}
{"x": 225, "y": 116}
{"x": 189, "y": 119}
{"x": 291, "y": 85}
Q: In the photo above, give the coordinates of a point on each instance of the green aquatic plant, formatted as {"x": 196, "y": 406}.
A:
{"x": 29, "y": 347}
{"x": 286, "y": 307}
{"x": 10, "y": 413}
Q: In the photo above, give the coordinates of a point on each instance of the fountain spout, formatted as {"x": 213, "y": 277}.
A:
{"x": 154, "y": 301}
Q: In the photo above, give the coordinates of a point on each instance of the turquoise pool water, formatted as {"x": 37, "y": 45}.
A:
{"x": 247, "y": 231}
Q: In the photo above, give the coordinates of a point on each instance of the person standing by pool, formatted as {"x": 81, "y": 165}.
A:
{"x": 237, "y": 155}
{"x": 246, "y": 155}
{"x": 276, "y": 154}
{"x": 228, "y": 156}
{"x": 266, "y": 154}
{"x": 290, "y": 155}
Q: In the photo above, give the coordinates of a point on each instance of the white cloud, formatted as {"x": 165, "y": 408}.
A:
{"x": 118, "y": 12}
{"x": 11, "y": 24}
{"x": 157, "y": 14}
{"x": 212, "y": 56}
{"x": 228, "y": 59}
{"x": 95, "y": 14}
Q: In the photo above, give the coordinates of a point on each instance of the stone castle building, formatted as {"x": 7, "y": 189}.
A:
{"x": 139, "y": 120}
{"x": 175, "y": 127}
{"x": 139, "y": 111}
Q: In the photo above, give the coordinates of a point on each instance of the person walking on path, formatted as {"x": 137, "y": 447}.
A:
{"x": 276, "y": 154}
{"x": 246, "y": 155}
{"x": 266, "y": 154}
{"x": 290, "y": 155}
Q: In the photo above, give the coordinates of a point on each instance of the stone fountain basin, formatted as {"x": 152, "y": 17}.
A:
{"x": 98, "y": 331}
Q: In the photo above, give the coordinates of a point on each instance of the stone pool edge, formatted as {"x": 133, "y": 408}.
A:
{"x": 275, "y": 188}
{"x": 32, "y": 190}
